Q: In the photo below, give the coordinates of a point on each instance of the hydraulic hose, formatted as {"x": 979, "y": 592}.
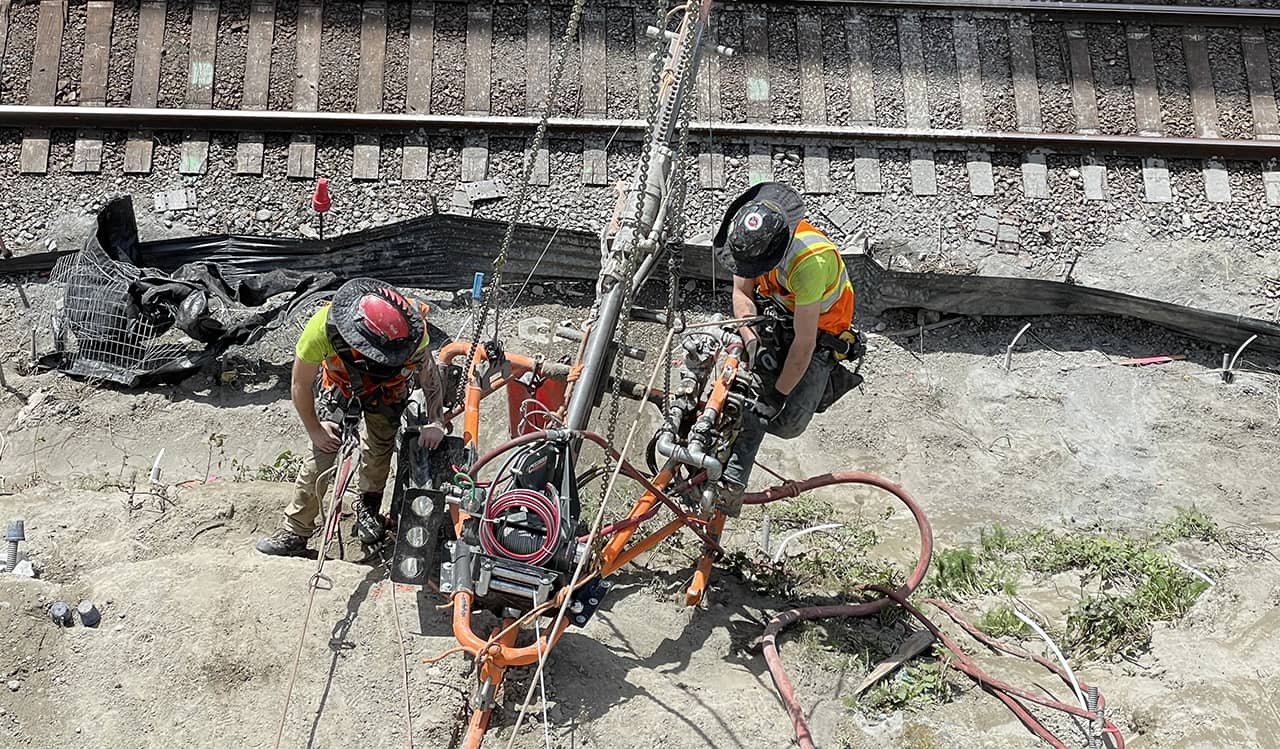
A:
{"x": 786, "y": 692}
{"x": 1010, "y": 695}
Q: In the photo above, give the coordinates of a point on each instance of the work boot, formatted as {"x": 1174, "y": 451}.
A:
{"x": 729, "y": 499}
{"x": 283, "y": 543}
{"x": 370, "y": 526}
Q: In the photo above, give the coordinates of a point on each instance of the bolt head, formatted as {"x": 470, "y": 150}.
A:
{"x": 17, "y": 531}
{"x": 593, "y": 601}
{"x": 580, "y": 619}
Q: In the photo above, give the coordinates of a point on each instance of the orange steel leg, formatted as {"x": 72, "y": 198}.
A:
{"x": 698, "y": 588}
{"x": 490, "y": 672}
{"x": 623, "y": 558}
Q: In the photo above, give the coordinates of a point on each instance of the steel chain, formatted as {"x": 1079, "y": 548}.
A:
{"x": 629, "y": 253}
{"x": 675, "y": 235}
{"x": 522, "y": 193}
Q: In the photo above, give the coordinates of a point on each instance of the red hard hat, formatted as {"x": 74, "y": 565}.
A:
{"x": 375, "y": 322}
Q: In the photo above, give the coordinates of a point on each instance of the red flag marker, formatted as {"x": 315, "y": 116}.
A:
{"x": 320, "y": 201}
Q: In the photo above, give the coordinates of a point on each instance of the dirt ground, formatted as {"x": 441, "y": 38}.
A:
{"x": 199, "y": 631}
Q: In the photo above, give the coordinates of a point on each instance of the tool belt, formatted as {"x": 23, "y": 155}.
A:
{"x": 848, "y": 345}
{"x": 777, "y": 332}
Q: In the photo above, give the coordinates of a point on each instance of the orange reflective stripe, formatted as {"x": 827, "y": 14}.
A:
{"x": 838, "y": 319}
{"x": 837, "y": 301}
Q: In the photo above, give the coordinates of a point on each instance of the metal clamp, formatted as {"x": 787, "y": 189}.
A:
{"x": 586, "y": 601}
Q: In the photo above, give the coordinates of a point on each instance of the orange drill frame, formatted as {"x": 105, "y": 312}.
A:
{"x": 496, "y": 654}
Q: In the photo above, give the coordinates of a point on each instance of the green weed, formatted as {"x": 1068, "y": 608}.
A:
{"x": 1000, "y": 622}
{"x": 957, "y": 574}
{"x": 1190, "y": 523}
{"x": 1141, "y": 584}
{"x": 285, "y": 468}
{"x": 915, "y": 684}
{"x": 995, "y": 539}
{"x": 801, "y": 512}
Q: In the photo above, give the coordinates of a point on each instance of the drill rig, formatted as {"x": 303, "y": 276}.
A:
{"x": 508, "y": 540}
{"x": 500, "y": 530}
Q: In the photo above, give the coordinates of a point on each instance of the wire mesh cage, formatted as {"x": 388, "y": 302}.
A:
{"x": 98, "y": 330}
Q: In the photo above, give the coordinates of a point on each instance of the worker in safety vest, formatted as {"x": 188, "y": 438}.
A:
{"x": 359, "y": 354}
{"x": 780, "y": 259}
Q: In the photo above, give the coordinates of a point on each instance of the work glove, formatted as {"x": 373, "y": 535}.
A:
{"x": 769, "y": 403}
{"x": 750, "y": 350}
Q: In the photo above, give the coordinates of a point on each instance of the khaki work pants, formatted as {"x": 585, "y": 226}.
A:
{"x": 377, "y": 442}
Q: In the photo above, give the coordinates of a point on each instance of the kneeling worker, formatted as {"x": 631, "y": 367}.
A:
{"x": 359, "y": 352}
{"x": 775, "y": 254}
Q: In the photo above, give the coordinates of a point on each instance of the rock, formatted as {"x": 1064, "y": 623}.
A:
{"x": 308, "y": 231}
{"x": 264, "y": 214}
{"x": 30, "y": 410}
{"x": 535, "y": 329}
{"x": 881, "y": 327}
{"x": 1073, "y": 173}
{"x": 23, "y": 569}
{"x": 14, "y": 685}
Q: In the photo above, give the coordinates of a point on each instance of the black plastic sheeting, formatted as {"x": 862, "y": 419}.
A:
{"x": 442, "y": 251}
{"x": 117, "y": 325}
{"x": 879, "y": 290}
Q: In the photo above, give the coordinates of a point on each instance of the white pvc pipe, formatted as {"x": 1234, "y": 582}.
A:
{"x": 155, "y": 467}
{"x": 782, "y": 545}
{"x": 1075, "y": 685}
{"x": 1195, "y": 572}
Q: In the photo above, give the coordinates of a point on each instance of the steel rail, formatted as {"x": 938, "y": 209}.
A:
{"x": 126, "y": 118}
{"x": 1208, "y": 15}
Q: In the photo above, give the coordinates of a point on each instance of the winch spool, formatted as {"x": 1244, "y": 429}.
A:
{"x": 505, "y": 534}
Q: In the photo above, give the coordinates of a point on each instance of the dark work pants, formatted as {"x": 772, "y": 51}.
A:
{"x": 790, "y": 422}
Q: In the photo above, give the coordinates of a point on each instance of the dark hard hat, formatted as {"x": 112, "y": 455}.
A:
{"x": 757, "y": 228}
{"x": 373, "y": 321}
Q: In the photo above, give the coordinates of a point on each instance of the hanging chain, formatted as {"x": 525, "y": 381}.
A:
{"x": 522, "y": 193}
{"x": 674, "y": 217}
{"x": 675, "y": 235}
{"x": 630, "y": 256}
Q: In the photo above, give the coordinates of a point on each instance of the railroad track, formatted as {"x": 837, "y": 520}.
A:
{"x": 811, "y": 82}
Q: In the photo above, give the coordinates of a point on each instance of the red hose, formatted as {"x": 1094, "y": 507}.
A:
{"x": 792, "y": 489}
{"x": 1006, "y": 693}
